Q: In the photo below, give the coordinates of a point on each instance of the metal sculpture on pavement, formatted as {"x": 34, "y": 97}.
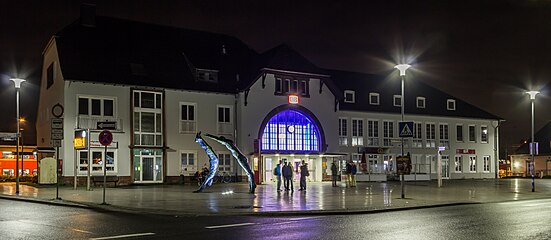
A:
{"x": 213, "y": 159}
{"x": 241, "y": 159}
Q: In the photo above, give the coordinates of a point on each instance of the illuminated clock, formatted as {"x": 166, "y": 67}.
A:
{"x": 291, "y": 128}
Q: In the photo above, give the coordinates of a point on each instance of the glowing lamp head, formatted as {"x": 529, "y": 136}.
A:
{"x": 17, "y": 82}
{"x": 402, "y": 68}
{"x": 532, "y": 94}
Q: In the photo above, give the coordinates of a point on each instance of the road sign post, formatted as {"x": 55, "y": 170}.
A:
{"x": 105, "y": 138}
{"x": 57, "y": 136}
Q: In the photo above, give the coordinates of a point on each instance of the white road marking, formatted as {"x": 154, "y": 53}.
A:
{"x": 82, "y": 231}
{"x": 230, "y": 225}
{"x": 124, "y": 236}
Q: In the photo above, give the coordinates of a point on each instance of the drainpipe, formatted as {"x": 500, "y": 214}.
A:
{"x": 496, "y": 145}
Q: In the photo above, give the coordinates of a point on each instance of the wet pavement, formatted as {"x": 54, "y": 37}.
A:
{"x": 320, "y": 198}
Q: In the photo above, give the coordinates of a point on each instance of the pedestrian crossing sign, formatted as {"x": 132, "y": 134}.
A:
{"x": 405, "y": 129}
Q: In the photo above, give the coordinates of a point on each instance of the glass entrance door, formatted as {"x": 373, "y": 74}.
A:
{"x": 148, "y": 166}
{"x": 445, "y": 168}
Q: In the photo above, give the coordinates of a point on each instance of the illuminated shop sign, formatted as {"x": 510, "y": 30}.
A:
{"x": 81, "y": 138}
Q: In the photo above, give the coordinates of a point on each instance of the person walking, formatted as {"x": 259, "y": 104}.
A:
{"x": 349, "y": 174}
{"x": 353, "y": 172}
{"x": 334, "y": 173}
{"x": 303, "y": 174}
{"x": 288, "y": 176}
{"x": 277, "y": 173}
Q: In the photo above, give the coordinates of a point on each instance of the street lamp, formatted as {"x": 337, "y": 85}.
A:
{"x": 532, "y": 95}
{"x": 402, "y": 68}
{"x": 17, "y": 83}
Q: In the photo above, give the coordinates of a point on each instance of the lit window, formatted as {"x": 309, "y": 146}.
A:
{"x": 486, "y": 160}
{"x": 458, "y": 164}
{"x": 374, "y": 98}
{"x": 472, "y": 163}
{"x": 430, "y": 129}
{"x": 357, "y": 132}
{"x": 420, "y": 102}
{"x": 343, "y": 132}
{"x": 388, "y": 133}
{"x": 349, "y": 96}
{"x": 484, "y": 134}
{"x": 451, "y": 104}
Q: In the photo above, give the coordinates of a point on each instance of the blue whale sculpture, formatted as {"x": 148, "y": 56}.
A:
{"x": 213, "y": 162}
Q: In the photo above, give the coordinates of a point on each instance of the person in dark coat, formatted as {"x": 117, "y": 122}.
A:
{"x": 334, "y": 173}
{"x": 284, "y": 173}
{"x": 303, "y": 174}
{"x": 288, "y": 177}
{"x": 349, "y": 174}
{"x": 277, "y": 173}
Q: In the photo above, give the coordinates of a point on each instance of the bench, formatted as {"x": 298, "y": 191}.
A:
{"x": 99, "y": 179}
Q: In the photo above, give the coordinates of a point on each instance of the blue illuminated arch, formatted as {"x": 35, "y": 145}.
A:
{"x": 291, "y": 128}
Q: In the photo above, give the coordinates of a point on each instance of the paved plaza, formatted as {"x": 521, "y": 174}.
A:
{"x": 320, "y": 198}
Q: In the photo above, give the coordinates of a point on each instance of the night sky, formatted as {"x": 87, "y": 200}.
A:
{"x": 484, "y": 52}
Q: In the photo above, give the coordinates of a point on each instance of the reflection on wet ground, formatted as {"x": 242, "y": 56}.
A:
{"x": 234, "y": 198}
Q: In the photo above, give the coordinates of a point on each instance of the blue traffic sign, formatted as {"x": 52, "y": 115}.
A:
{"x": 405, "y": 129}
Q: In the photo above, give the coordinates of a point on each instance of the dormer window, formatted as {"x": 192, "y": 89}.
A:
{"x": 207, "y": 75}
{"x": 451, "y": 104}
{"x": 397, "y": 100}
{"x": 420, "y": 102}
{"x": 374, "y": 98}
{"x": 349, "y": 96}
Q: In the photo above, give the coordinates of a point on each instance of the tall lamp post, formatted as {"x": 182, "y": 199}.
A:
{"x": 532, "y": 95}
{"x": 17, "y": 82}
{"x": 402, "y": 68}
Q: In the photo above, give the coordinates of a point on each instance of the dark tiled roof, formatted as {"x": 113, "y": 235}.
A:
{"x": 543, "y": 137}
{"x": 285, "y": 58}
{"x": 111, "y": 52}
{"x": 435, "y": 100}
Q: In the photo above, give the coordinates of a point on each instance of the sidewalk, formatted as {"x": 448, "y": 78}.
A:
{"x": 320, "y": 198}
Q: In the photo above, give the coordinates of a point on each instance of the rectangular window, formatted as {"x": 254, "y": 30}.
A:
{"x": 225, "y": 162}
{"x": 459, "y": 133}
{"x": 304, "y": 88}
{"x": 451, "y": 104}
{"x": 188, "y": 124}
{"x": 430, "y": 133}
{"x": 50, "y": 76}
{"x": 372, "y": 133}
{"x": 108, "y": 107}
{"x": 444, "y": 136}
{"x": 472, "y": 134}
{"x": 83, "y": 106}
{"x": 458, "y": 164}
{"x": 373, "y": 161}
{"x": 278, "y": 85}
{"x": 374, "y": 98}
{"x": 294, "y": 86}
{"x": 472, "y": 163}
{"x": 286, "y": 85}
{"x": 207, "y": 75}
{"x": 96, "y": 107}
{"x": 224, "y": 120}
{"x": 417, "y": 135}
{"x": 349, "y": 96}
{"x": 343, "y": 132}
{"x": 388, "y": 133}
{"x": 484, "y": 134}
{"x": 397, "y": 100}
{"x": 188, "y": 162}
{"x": 357, "y": 132}
{"x": 97, "y": 158}
{"x": 148, "y": 118}
{"x": 420, "y": 102}
{"x": 486, "y": 160}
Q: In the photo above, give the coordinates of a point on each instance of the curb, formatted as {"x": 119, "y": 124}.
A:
{"x": 129, "y": 210}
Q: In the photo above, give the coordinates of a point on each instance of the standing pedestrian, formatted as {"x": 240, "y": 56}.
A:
{"x": 284, "y": 173}
{"x": 334, "y": 173}
{"x": 349, "y": 174}
{"x": 277, "y": 173}
{"x": 288, "y": 177}
{"x": 353, "y": 172}
{"x": 303, "y": 174}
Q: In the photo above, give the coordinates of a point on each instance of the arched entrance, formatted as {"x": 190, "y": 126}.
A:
{"x": 291, "y": 133}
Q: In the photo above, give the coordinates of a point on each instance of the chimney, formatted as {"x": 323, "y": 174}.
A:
{"x": 88, "y": 14}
